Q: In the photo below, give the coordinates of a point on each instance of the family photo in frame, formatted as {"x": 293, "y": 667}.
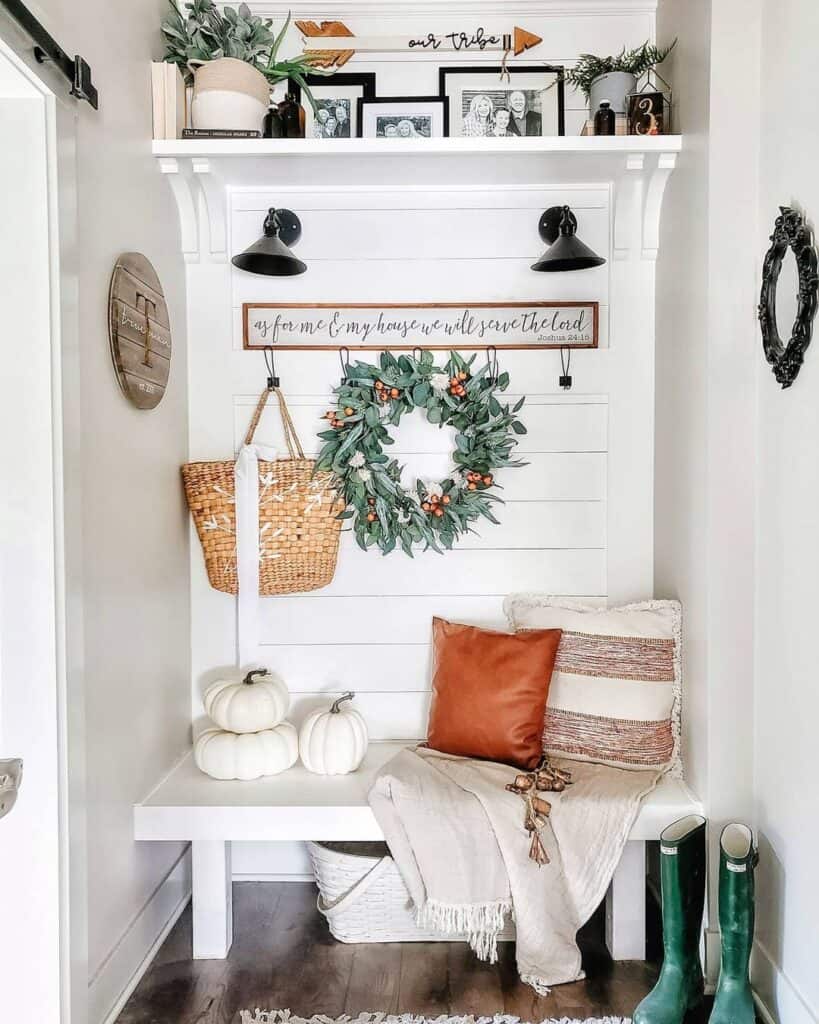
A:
{"x": 473, "y": 102}
{"x": 487, "y": 103}
{"x": 407, "y": 117}
{"x": 337, "y": 111}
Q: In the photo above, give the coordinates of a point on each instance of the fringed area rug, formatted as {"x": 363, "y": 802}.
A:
{"x": 286, "y": 1017}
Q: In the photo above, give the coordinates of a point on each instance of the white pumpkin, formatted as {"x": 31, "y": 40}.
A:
{"x": 333, "y": 742}
{"x": 251, "y": 705}
{"x": 230, "y": 755}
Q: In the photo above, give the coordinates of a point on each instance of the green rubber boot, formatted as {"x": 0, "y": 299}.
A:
{"x": 682, "y": 874}
{"x": 733, "y": 1003}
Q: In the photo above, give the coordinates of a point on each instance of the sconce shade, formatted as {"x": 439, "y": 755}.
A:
{"x": 566, "y": 251}
{"x": 271, "y": 255}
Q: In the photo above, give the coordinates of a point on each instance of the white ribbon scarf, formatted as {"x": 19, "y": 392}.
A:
{"x": 246, "y": 490}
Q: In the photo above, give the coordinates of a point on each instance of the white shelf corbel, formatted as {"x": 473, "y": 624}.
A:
{"x": 655, "y": 190}
{"x": 186, "y": 206}
{"x": 214, "y": 214}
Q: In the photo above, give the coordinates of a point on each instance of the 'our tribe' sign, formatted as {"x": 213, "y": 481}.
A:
{"x": 331, "y": 44}
{"x": 467, "y": 325}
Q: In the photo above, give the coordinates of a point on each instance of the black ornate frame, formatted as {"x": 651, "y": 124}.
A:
{"x": 790, "y": 232}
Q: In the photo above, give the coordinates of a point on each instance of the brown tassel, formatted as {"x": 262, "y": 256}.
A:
{"x": 544, "y": 779}
{"x": 537, "y": 851}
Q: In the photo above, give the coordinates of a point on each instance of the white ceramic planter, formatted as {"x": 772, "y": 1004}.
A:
{"x": 614, "y": 87}
{"x": 229, "y": 94}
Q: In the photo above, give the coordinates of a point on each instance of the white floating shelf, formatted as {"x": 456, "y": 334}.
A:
{"x": 569, "y": 145}
{"x": 636, "y": 166}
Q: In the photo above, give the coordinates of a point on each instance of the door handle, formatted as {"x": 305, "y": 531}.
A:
{"x": 11, "y": 776}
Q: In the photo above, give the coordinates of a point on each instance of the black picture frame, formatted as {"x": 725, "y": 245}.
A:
{"x": 375, "y": 100}
{"x": 512, "y": 69}
{"x": 365, "y": 80}
{"x": 790, "y": 233}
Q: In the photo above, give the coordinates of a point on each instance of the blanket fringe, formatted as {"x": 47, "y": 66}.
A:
{"x": 480, "y": 922}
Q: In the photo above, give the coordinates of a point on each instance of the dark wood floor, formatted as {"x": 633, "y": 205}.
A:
{"x": 284, "y": 957}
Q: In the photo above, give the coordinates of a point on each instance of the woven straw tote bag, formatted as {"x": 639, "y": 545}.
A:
{"x": 298, "y": 528}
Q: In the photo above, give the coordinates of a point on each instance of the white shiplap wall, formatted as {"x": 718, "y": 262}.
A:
{"x": 431, "y": 233}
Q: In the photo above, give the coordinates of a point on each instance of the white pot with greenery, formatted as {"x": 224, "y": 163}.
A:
{"x": 230, "y": 57}
{"x": 614, "y": 78}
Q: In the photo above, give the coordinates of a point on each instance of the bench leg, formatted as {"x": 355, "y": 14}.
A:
{"x": 212, "y": 902}
{"x": 626, "y": 905}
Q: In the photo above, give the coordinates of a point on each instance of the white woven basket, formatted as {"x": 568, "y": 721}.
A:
{"x": 364, "y": 899}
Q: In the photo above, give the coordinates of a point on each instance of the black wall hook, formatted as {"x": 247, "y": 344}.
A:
{"x": 492, "y": 359}
{"x": 270, "y": 363}
{"x": 565, "y": 379}
{"x": 344, "y": 359}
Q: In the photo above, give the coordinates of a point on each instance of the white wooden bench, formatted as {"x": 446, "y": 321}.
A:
{"x": 190, "y": 806}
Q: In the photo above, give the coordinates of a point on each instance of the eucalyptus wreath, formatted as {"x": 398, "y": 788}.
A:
{"x": 370, "y": 400}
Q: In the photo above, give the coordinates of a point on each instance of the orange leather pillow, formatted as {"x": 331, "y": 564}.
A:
{"x": 489, "y": 692}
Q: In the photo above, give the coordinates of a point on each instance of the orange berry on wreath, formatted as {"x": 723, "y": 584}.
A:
{"x": 438, "y": 512}
{"x": 462, "y": 375}
{"x": 472, "y": 487}
{"x": 426, "y": 506}
{"x": 395, "y": 392}
{"x": 348, "y": 411}
{"x": 487, "y": 480}
{"x": 446, "y": 499}
{"x": 378, "y": 385}
{"x": 370, "y": 501}
{"x": 371, "y": 517}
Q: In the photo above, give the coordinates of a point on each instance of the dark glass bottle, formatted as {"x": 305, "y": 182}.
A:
{"x": 273, "y": 128}
{"x": 292, "y": 116}
{"x": 604, "y": 119}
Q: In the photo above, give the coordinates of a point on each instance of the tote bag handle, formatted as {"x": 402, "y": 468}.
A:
{"x": 290, "y": 436}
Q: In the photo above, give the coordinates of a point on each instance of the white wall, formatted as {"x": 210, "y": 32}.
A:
{"x": 30, "y": 673}
{"x": 705, "y": 465}
{"x": 787, "y": 552}
{"x": 135, "y": 575}
{"x": 736, "y": 476}
{"x": 579, "y": 517}
{"x": 682, "y": 379}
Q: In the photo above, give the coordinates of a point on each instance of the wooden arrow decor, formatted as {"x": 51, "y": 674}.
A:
{"x": 321, "y": 42}
{"x": 524, "y": 40}
{"x": 325, "y": 58}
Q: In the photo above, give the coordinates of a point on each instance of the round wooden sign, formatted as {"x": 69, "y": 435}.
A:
{"x": 139, "y": 330}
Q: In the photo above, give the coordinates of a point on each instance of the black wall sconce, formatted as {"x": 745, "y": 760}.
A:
{"x": 557, "y": 227}
{"x": 271, "y": 254}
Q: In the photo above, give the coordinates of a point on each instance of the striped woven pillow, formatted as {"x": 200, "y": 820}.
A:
{"x": 615, "y": 691}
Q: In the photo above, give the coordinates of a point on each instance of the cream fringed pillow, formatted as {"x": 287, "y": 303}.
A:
{"x": 615, "y": 691}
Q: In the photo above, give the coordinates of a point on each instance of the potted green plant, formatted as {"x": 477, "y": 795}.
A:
{"x": 231, "y": 57}
{"x": 613, "y": 78}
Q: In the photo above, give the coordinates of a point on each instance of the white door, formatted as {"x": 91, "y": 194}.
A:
{"x": 34, "y": 894}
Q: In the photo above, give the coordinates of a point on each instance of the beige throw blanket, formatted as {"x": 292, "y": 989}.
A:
{"x": 458, "y": 839}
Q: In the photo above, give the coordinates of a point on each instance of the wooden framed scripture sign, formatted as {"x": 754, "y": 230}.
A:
{"x": 442, "y": 325}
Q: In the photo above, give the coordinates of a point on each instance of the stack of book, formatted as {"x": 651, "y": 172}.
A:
{"x": 169, "y": 100}
{"x": 219, "y": 133}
